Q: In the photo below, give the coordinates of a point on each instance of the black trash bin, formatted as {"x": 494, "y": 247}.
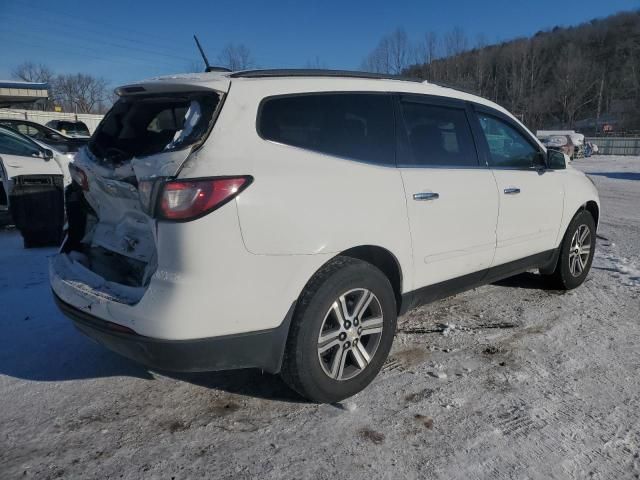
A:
{"x": 36, "y": 203}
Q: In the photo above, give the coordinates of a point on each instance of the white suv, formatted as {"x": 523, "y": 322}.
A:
{"x": 284, "y": 219}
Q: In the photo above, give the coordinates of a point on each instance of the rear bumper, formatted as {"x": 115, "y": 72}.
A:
{"x": 261, "y": 349}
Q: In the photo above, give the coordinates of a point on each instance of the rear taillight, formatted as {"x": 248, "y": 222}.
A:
{"x": 145, "y": 192}
{"x": 182, "y": 200}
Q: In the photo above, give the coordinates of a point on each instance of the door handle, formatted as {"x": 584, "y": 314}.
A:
{"x": 511, "y": 191}
{"x": 422, "y": 196}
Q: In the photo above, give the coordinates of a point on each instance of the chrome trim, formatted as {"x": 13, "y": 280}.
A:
{"x": 423, "y": 196}
{"x": 511, "y": 191}
{"x": 444, "y": 167}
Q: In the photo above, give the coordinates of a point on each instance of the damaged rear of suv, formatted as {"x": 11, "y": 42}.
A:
{"x": 120, "y": 187}
{"x": 123, "y": 205}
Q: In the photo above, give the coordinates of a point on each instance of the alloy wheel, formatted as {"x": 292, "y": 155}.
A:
{"x": 350, "y": 334}
{"x": 580, "y": 250}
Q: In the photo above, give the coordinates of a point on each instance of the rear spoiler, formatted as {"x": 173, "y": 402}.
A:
{"x": 178, "y": 83}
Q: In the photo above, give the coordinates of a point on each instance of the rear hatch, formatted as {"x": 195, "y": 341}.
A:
{"x": 145, "y": 138}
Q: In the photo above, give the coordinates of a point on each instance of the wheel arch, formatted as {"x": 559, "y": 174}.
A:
{"x": 592, "y": 207}
{"x": 382, "y": 259}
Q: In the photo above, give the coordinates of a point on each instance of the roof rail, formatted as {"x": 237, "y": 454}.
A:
{"x": 310, "y": 72}
{"x": 217, "y": 69}
{"x": 450, "y": 86}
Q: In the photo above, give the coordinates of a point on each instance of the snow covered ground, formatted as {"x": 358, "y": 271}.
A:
{"x": 507, "y": 381}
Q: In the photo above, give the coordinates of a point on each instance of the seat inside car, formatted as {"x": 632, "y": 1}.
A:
{"x": 426, "y": 141}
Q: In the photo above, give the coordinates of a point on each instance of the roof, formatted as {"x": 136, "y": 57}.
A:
{"x": 24, "y": 85}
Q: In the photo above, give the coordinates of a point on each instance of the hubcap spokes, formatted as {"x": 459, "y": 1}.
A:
{"x": 350, "y": 334}
{"x": 580, "y": 250}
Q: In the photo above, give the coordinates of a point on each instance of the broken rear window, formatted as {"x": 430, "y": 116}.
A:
{"x": 138, "y": 126}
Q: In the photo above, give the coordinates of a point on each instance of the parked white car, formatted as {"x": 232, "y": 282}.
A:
{"x": 31, "y": 189}
{"x": 284, "y": 219}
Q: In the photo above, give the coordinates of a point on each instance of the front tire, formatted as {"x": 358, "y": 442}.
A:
{"x": 341, "y": 332}
{"x": 576, "y": 254}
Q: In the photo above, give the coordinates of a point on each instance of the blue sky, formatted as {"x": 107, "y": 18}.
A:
{"x": 126, "y": 40}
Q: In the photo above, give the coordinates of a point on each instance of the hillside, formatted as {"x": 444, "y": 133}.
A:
{"x": 585, "y": 77}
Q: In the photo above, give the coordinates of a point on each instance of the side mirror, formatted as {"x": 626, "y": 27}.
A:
{"x": 47, "y": 154}
{"x": 539, "y": 161}
{"x": 556, "y": 160}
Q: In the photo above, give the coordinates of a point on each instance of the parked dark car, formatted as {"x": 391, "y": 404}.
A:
{"x": 70, "y": 128}
{"x": 55, "y": 139}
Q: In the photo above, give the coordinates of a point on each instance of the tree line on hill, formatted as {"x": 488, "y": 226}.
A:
{"x": 585, "y": 77}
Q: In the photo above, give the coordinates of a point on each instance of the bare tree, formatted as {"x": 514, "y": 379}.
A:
{"x": 236, "y": 57}
{"x": 431, "y": 46}
{"x": 575, "y": 82}
{"x": 455, "y": 42}
{"x": 195, "y": 66}
{"x": 392, "y": 55}
{"x": 32, "y": 72}
{"x": 316, "y": 63}
{"x": 378, "y": 60}
{"x": 399, "y": 49}
{"x": 80, "y": 92}
{"x": 427, "y": 52}
{"x": 481, "y": 62}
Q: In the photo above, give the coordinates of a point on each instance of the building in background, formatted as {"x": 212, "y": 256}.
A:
{"x": 15, "y": 93}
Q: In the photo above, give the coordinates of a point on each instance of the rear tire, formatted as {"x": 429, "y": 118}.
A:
{"x": 576, "y": 253}
{"x": 341, "y": 331}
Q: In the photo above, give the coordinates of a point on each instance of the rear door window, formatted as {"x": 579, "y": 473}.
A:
{"x": 437, "y": 136}
{"x": 358, "y": 126}
{"x": 139, "y": 126}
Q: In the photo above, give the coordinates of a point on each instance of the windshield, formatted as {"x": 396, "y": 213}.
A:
{"x": 145, "y": 125}
{"x": 73, "y": 128}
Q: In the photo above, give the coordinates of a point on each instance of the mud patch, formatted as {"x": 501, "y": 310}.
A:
{"x": 406, "y": 359}
{"x": 423, "y": 331}
{"x": 446, "y": 328}
{"x": 371, "y": 435}
{"x": 424, "y": 420}
{"x": 494, "y": 325}
{"x": 177, "y": 426}
{"x": 419, "y": 396}
{"x": 223, "y": 408}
